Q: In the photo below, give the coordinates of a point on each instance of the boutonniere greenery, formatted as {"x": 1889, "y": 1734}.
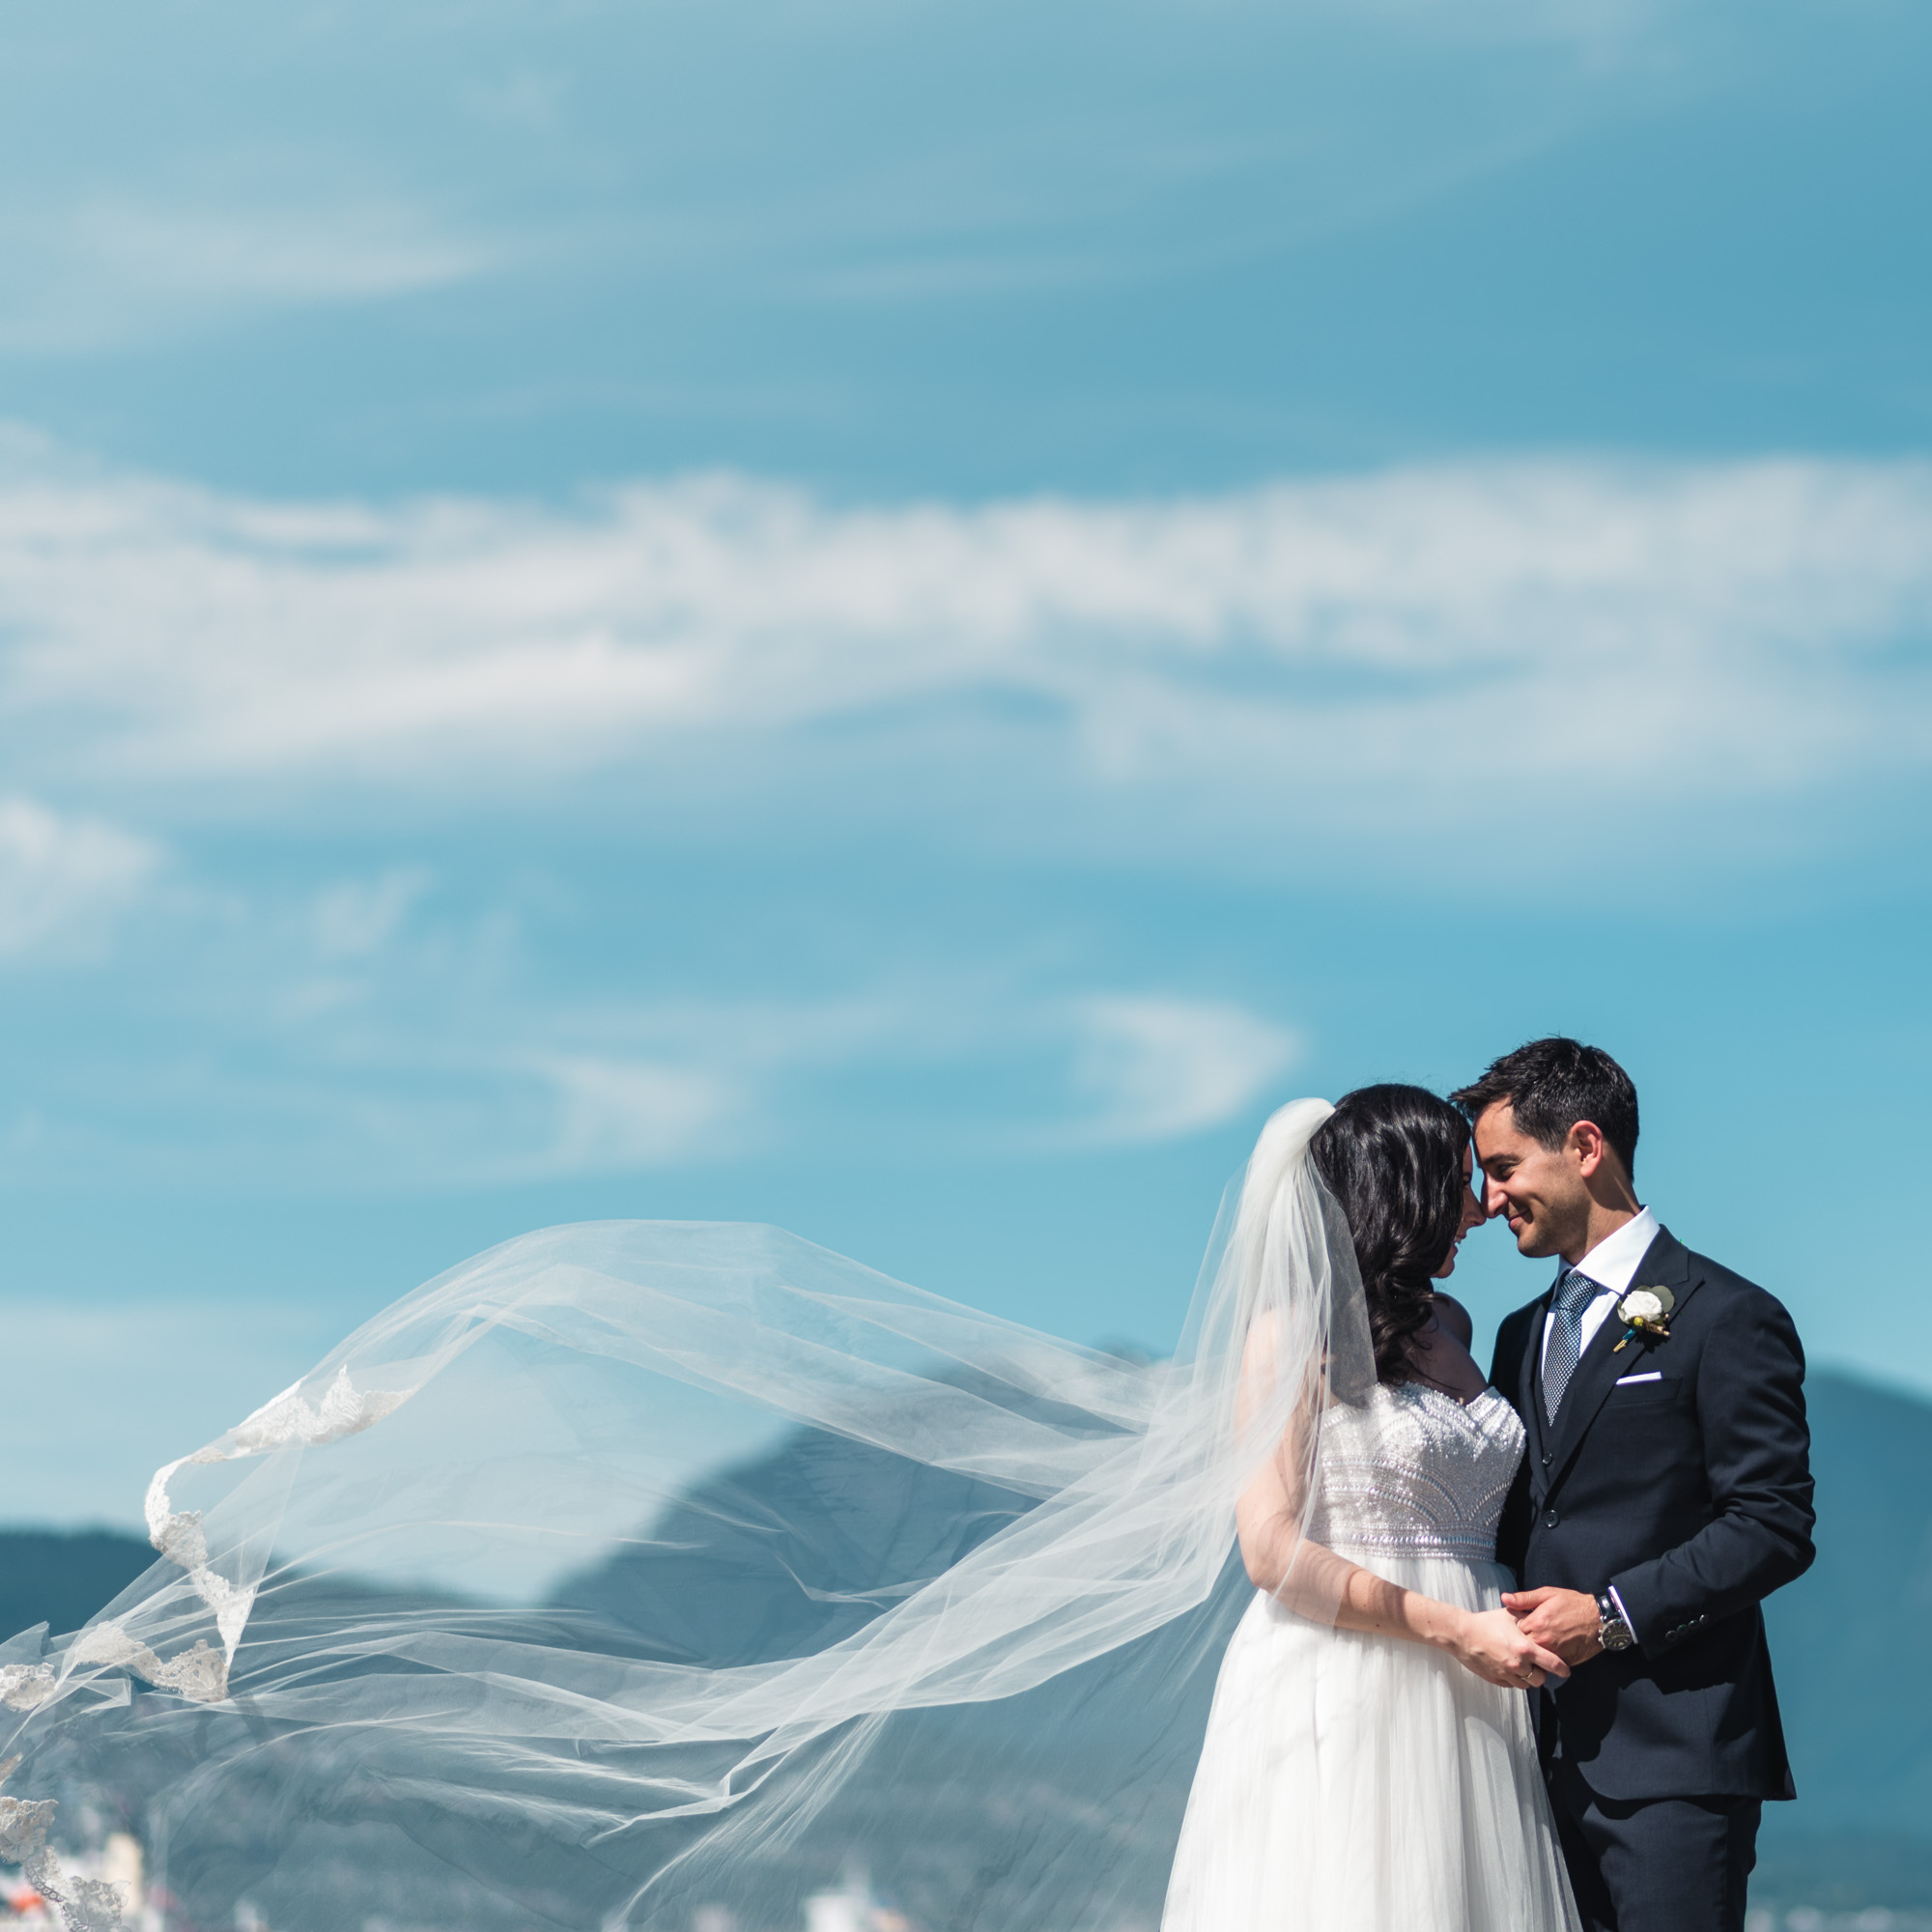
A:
{"x": 1645, "y": 1311}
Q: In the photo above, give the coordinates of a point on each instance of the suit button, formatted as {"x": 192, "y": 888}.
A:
{"x": 1546, "y": 1462}
{"x": 1550, "y": 1519}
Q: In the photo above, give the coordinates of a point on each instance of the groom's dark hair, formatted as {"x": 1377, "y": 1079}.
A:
{"x": 1552, "y": 1084}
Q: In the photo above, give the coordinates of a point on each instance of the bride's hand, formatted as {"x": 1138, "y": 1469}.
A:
{"x": 1492, "y": 1643}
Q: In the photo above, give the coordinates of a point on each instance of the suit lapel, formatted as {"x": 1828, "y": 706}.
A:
{"x": 1666, "y": 1262}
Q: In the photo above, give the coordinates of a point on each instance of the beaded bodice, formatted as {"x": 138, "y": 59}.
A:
{"x": 1414, "y": 1471}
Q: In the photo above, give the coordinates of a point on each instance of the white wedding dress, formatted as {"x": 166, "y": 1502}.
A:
{"x": 1360, "y": 1783}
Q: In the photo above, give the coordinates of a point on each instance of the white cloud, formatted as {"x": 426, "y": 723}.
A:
{"x": 1160, "y": 1069}
{"x": 63, "y": 879}
{"x": 409, "y": 1079}
{"x": 1319, "y": 652}
{"x": 672, "y": 1083}
{"x": 355, "y": 919}
{"x": 620, "y": 1114}
{"x": 700, "y": 1081}
{"x": 1382, "y": 666}
{"x": 267, "y": 255}
{"x": 99, "y": 273}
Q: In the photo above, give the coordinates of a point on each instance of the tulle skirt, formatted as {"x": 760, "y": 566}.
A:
{"x": 1358, "y": 1784}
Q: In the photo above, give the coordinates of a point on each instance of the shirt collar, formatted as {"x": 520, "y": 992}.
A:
{"x": 1612, "y": 1263}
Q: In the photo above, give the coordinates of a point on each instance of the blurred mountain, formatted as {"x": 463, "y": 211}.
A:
{"x": 1854, "y": 1671}
{"x": 61, "y": 1578}
{"x": 959, "y": 1823}
{"x": 781, "y": 1556}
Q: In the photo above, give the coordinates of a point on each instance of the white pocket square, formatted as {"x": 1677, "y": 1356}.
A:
{"x": 1655, "y": 1375}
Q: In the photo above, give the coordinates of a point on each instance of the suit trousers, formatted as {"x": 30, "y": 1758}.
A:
{"x": 1655, "y": 1864}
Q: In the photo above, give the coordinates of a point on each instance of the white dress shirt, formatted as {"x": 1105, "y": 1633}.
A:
{"x": 1612, "y": 1265}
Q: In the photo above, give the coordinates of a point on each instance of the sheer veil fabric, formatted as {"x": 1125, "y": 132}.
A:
{"x": 637, "y": 1570}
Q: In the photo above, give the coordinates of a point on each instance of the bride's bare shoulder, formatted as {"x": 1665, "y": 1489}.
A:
{"x": 1455, "y": 1318}
{"x": 1439, "y": 1350}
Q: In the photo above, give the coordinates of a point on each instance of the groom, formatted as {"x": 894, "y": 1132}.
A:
{"x": 1665, "y": 1493}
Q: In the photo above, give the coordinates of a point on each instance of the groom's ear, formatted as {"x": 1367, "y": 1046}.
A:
{"x": 1586, "y": 1145}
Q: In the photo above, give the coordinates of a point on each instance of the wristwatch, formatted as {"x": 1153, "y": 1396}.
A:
{"x": 1612, "y": 1631}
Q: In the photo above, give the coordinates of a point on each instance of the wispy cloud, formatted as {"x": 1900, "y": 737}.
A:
{"x": 105, "y": 272}
{"x": 385, "y": 1087}
{"x": 1326, "y": 652}
{"x": 1089, "y": 1068}
{"x": 306, "y": 164}
{"x": 1161, "y": 1068}
{"x": 63, "y": 879}
{"x": 374, "y": 1033}
{"x": 613, "y": 1115}
{"x": 728, "y": 669}
{"x": 355, "y": 918}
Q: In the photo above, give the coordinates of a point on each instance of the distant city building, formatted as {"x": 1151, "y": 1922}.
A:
{"x": 852, "y": 1908}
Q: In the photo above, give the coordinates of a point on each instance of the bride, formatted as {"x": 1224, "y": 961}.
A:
{"x": 1369, "y": 1761}
{"x": 645, "y": 1573}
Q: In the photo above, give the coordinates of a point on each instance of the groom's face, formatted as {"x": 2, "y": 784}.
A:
{"x": 1540, "y": 1190}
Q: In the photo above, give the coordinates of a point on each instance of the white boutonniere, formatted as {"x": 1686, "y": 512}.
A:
{"x": 1645, "y": 1311}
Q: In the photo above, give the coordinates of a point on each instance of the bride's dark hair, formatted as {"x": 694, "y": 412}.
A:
{"x": 1392, "y": 1156}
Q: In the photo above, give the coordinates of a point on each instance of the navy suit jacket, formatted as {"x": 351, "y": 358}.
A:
{"x": 1691, "y": 1495}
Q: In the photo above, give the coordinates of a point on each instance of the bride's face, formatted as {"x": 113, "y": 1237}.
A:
{"x": 1472, "y": 1218}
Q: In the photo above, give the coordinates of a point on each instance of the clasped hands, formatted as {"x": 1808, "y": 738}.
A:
{"x": 1563, "y": 1621}
{"x": 1535, "y": 1638}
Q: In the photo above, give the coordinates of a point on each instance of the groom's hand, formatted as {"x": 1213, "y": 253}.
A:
{"x": 1564, "y": 1620}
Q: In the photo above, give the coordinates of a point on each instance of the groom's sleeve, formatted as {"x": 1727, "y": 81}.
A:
{"x": 1758, "y": 1461}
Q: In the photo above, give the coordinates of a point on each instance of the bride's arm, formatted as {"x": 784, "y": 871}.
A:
{"x": 1328, "y": 1589}
{"x": 1318, "y": 1584}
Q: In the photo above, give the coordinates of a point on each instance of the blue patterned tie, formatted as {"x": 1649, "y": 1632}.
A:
{"x": 1574, "y": 1292}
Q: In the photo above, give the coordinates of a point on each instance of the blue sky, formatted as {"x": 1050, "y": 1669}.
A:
{"x": 896, "y": 617}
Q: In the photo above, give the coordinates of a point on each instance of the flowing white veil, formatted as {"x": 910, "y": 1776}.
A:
{"x": 633, "y": 1572}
